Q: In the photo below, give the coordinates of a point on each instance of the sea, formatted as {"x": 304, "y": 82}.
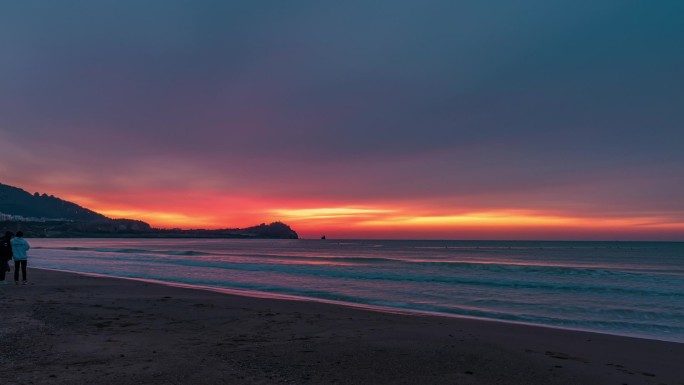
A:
{"x": 622, "y": 288}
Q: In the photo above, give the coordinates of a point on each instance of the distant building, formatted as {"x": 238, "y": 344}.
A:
{"x": 19, "y": 218}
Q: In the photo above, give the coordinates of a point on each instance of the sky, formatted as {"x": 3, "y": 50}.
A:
{"x": 355, "y": 119}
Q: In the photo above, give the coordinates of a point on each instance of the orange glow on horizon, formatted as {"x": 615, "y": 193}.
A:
{"x": 479, "y": 224}
{"x": 471, "y": 219}
{"x": 160, "y": 219}
{"x": 383, "y": 220}
{"x": 508, "y": 219}
{"x": 328, "y": 212}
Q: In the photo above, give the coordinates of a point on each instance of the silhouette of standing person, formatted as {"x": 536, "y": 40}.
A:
{"x": 19, "y": 248}
{"x": 5, "y": 255}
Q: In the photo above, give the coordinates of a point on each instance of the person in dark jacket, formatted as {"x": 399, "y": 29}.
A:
{"x": 5, "y": 255}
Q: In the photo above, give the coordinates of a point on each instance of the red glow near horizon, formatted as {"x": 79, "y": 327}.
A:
{"x": 382, "y": 221}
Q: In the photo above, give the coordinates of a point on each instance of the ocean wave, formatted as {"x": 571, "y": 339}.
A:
{"x": 127, "y": 251}
{"x": 498, "y": 266}
{"x": 504, "y": 282}
{"x": 512, "y": 276}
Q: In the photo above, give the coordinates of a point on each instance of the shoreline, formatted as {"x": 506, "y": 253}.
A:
{"x": 69, "y": 327}
{"x": 374, "y": 308}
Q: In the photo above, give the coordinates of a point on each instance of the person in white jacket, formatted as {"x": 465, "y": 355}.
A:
{"x": 19, "y": 249}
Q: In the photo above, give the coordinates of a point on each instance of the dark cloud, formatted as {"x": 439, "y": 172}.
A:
{"x": 355, "y": 100}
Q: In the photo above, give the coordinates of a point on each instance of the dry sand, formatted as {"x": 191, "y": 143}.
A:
{"x": 73, "y": 329}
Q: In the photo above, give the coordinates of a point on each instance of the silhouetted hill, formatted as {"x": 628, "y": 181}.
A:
{"x": 15, "y": 201}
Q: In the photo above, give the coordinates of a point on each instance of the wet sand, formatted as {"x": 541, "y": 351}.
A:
{"x": 70, "y": 329}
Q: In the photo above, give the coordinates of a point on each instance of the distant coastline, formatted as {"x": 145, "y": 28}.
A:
{"x": 127, "y": 228}
{"x": 46, "y": 216}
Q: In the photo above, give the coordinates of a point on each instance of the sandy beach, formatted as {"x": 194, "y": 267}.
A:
{"x": 67, "y": 328}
